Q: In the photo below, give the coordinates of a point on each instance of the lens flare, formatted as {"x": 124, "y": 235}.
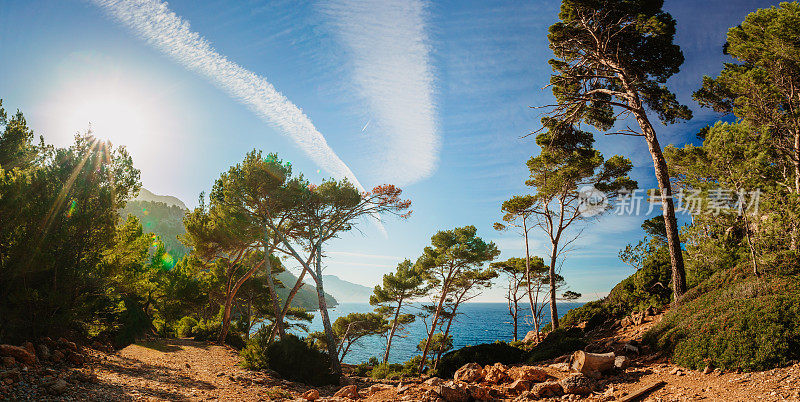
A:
{"x": 73, "y": 206}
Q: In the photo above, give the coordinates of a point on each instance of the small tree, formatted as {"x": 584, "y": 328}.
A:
{"x": 565, "y": 168}
{"x": 350, "y": 329}
{"x": 515, "y": 271}
{"x": 398, "y": 289}
{"x": 615, "y": 56}
{"x": 452, "y": 252}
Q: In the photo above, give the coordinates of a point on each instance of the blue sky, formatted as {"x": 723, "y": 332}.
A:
{"x": 432, "y": 96}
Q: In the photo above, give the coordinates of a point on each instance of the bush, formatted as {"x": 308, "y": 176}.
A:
{"x": 487, "y": 353}
{"x": 185, "y": 327}
{"x": 746, "y": 324}
{"x": 208, "y": 331}
{"x": 557, "y": 343}
{"x": 291, "y": 357}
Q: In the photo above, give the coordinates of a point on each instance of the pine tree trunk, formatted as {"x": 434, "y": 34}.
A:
{"x": 528, "y": 278}
{"x": 433, "y": 324}
{"x": 553, "y": 307}
{"x": 391, "y": 333}
{"x": 667, "y": 205}
{"x": 286, "y": 305}
{"x": 226, "y": 318}
{"x": 326, "y": 321}
{"x": 273, "y": 296}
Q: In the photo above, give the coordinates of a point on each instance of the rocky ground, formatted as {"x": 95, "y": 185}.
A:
{"x": 189, "y": 370}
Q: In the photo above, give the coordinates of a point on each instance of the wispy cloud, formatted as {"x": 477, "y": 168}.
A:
{"x": 154, "y": 22}
{"x": 389, "y": 58}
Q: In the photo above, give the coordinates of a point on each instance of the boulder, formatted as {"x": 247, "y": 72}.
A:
{"x": 67, "y": 344}
{"x": 478, "y": 392}
{"x": 530, "y": 336}
{"x": 348, "y": 391}
{"x": 452, "y": 393}
{"x": 29, "y": 347}
{"x": 496, "y": 373}
{"x": 433, "y": 381}
{"x": 75, "y": 359}
{"x": 528, "y": 373}
{"x": 58, "y": 387}
{"x": 576, "y": 384}
{"x": 57, "y": 356}
{"x": 311, "y": 395}
{"x": 470, "y": 372}
{"x": 21, "y": 354}
{"x": 547, "y": 389}
{"x": 375, "y": 388}
{"x": 519, "y": 386}
{"x": 622, "y": 362}
{"x": 44, "y": 352}
{"x": 9, "y": 361}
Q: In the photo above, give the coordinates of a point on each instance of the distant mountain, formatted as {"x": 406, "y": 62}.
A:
{"x": 306, "y": 297}
{"x": 146, "y": 195}
{"x": 346, "y": 292}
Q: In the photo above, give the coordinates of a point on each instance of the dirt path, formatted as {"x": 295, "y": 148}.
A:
{"x": 180, "y": 370}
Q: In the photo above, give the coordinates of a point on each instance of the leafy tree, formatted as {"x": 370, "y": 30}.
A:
{"x": 164, "y": 220}
{"x": 451, "y": 254}
{"x": 350, "y": 329}
{"x": 402, "y": 286}
{"x": 568, "y": 174}
{"x": 466, "y": 285}
{"x": 612, "y": 60}
{"x": 323, "y": 212}
{"x": 729, "y": 167}
{"x": 439, "y": 345}
{"x": 58, "y": 217}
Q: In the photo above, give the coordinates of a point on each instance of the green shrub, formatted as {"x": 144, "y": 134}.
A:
{"x": 291, "y": 357}
{"x": 745, "y": 324}
{"x": 557, "y": 343}
{"x": 487, "y": 353}
{"x": 208, "y": 331}
{"x": 185, "y": 327}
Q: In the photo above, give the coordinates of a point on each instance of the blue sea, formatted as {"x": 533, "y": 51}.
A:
{"x": 478, "y": 323}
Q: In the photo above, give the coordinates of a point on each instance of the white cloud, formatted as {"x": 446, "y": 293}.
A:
{"x": 154, "y": 22}
{"x": 389, "y": 52}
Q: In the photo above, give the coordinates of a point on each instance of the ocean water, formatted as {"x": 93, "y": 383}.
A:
{"x": 478, "y": 323}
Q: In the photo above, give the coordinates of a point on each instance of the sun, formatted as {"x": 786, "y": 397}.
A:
{"x": 114, "y": 102}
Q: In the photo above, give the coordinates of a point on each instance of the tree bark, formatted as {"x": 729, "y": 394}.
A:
{"x": 273, "y": 296}
{"x": 445, "y": 287}
{"x": 528, "y": 278}
{"x": 552, "y": 274}
{"x": 226, "y": 318}
{"x": 336, "y": 366}
{"x": 391, "y": 333}
{"x": 667, "y": 205}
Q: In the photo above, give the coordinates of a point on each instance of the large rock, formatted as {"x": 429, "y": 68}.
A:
{"x": 58, "y": 387}
{"x": 433, "y": 381}
{"x": 375, "y": 388}
{"x": 547, "y": 389}
{"x": 311, "y": 395}
{"x": 18, "y": 353}
{"x": 478, "y": 392}
{"x": 452, "y": 393}
{"x": 622, "y": 362}
{"x": 349, "y": 391}
{"x": 530, "y": 336}
{"x": 592, "y": 364}
{"x": 528, "y": 373}
{"x": 519, "y": 386}
{"x": 576, "y": 384}
{"x": 496, "y": 373}
{"x": 9, "y": 361}
{"x": 470, "y": 372}
{"x": 44, "y": 352}
{"x": 63, "y": 342}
